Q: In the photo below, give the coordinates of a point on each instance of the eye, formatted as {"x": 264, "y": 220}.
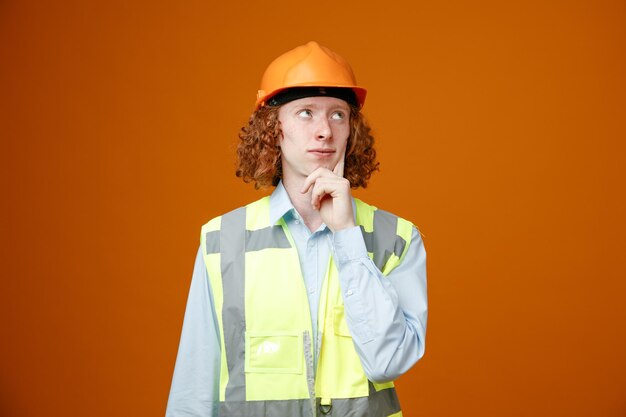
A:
{"x": 338, "y": 115}
{"x": 306, "y": 113}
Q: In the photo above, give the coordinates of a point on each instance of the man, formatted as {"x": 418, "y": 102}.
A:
{"x": 307, "y": 302}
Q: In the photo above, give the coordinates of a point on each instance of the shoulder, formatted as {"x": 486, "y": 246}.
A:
{"x": 387, "y": 236}
{"x": 386, "y": 225}
{"x": 368, "y": 213}
{"x": 259, "y": 207}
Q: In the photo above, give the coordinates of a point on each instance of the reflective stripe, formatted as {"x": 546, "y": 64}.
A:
{"x": 275, "y": 408}
{"x": 233, "y": 310}
{"x": 212, "y": 240}
{"x": 379, "y": 404}
{"x": 368, "y": 238}
{"x": 386, "y": 226}
{"x": 382, "y": 403}
{"x": 268, "y": 237}
{"x": 308, "y": 357}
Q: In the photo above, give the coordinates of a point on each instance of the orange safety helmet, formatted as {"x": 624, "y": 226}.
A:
{"x": 310, "y": 65}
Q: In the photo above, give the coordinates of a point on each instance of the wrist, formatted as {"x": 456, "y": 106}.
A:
{"x": 343, "y": 226}
{"x": 348, "y": 245}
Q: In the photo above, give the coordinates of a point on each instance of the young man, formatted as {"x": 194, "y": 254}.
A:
{"x": 307, "y": 302}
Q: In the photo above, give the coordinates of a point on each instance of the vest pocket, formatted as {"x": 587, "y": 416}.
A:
{"x": 274, "y": 352}
{"x": 339, "y": 321}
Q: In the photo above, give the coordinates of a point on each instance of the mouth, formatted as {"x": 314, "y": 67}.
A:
{"x": 321, "y": 152}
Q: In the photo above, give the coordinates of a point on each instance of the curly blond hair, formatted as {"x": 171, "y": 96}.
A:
{"x": 259, "y": 151}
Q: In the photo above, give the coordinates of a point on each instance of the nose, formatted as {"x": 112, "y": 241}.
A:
{"x": 324, "y": 131}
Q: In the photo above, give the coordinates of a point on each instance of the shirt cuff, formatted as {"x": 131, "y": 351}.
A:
{"x": 349, "y": 245}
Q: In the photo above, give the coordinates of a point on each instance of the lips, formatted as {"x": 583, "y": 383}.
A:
{"x": 322, "y": 151}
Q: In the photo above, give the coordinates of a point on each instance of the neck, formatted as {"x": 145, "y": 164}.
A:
{"x": 302, "y": 202}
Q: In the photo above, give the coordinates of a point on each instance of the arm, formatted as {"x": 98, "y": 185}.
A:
{"x": 195, "y": 385}
{"x": 386, "y": 315}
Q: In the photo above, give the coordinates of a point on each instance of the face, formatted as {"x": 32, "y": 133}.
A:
{"x": 315, "y": 134}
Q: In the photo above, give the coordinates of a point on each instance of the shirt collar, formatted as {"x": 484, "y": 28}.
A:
{"x": 280, "y": 204}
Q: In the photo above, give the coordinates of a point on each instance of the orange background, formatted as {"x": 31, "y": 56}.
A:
{"x": 500, "y": 128}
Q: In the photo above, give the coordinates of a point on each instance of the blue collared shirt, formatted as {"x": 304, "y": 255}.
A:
{"x": 386, "y": 315}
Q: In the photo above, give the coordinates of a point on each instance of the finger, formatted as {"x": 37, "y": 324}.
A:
{"x": 320, "y": 189}
{"x": 324, "y": 187}
{"x": 339, "y": 167}
{"x": 313, "y": 177}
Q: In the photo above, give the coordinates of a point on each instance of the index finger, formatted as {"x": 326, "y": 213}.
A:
{"x": 339, "y": 167}
{"x": 313, "y": 176}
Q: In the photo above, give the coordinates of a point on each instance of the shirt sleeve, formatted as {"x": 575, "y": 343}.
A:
{"x": 386, "y": 315}
{"x": 195, "y": 384}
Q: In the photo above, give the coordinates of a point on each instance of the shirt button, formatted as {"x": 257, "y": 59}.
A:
{"x": 349, "y": 293}
{"x": 297, "y": 222}
{"x": 311, "y": 290}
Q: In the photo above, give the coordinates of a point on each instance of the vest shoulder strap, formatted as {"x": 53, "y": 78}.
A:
{"x": 387, "y": 237}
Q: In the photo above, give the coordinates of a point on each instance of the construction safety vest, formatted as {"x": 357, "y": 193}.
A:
{"x": 265, "y": 325}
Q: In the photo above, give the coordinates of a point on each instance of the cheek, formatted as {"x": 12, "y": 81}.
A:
{"x": 284, "y": 136}
{"x": 344, "y": 134}
{"x": 287, "y": 133}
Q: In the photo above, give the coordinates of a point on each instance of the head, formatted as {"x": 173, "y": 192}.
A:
{"x": 308, "y": 99}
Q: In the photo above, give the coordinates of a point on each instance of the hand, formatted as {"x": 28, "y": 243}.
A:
{"x": 331, "y": 196}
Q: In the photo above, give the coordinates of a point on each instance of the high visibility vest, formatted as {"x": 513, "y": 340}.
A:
{"x": 264, "y": 319}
